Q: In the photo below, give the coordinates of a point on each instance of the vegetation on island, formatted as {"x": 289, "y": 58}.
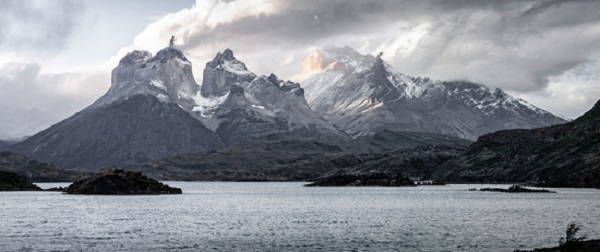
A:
{"x": 11, "y": 181}
{"x": 120, "y": 182}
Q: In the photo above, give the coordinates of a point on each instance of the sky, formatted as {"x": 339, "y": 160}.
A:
{"x": 56, "y": 55}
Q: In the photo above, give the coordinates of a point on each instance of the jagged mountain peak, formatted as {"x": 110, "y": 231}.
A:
{"x": 226, "y": 60}
{"x": 167, "y": 76}
{"x": 274, "y": 79}
{"x": 339, "y": 59}
{"x": 167, "y": 54}
{"x": 362, "y": 94}
{"x": 222, "y": 72}
{"x": 285, "y": 85}
{"x": 135, "y": 57}
{"x": 227, "y": 54}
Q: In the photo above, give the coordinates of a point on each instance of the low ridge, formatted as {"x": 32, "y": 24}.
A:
{"x": 561, "y": 156}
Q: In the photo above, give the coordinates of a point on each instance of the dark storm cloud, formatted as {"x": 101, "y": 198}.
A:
{"x": 39, "y": 25}
{"x": 305, "y": 21}
{"x": 516, "y": 45}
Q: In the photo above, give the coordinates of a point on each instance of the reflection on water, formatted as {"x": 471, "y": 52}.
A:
{"x": 286, "y": 216}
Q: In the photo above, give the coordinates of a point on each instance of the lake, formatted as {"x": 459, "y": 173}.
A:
{"x": 229, "y": 216}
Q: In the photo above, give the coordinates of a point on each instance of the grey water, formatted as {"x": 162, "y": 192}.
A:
{"x": 220, "y": 216}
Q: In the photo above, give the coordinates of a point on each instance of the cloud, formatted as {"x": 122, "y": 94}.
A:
{"x": 523, "y": 47}
{"x": 515, "y": 45}
{"x": 32, "y": 100}
{"x": 38, "y": 25}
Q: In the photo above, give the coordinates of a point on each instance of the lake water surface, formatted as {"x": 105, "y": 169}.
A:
{"x": 224, "y": 216}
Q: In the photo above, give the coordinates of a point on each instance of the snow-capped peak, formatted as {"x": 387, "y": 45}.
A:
{"x": 362, "y": 94}
{"x": 344, "y": 59}
{"x": 222, "y": 72}
{"x": 229, "y": 63}
{"x": 167, "y": 76}
{"x": 168, "y": 53}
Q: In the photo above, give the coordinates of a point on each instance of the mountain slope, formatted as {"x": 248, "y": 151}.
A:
{"x": 564, "y": 155}
{"x": 135, "y": 130}
{"x": 144, "y": 115}
{"x": 296, "y": 160}
{"x": 361, "y": 94}
{"x": 34, "y": 170}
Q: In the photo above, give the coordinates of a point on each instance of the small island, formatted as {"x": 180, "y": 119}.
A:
{"x": 515, "y": 189}
{"x": 369, "y": 179}
{"x": 10, "y": 181}
{"x": 120, "y": 182}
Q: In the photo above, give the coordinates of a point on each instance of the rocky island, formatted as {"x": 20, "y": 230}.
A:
{"x": 10, "y": 181}
{"x": 120, "y": 182}
{"x": 368, "y": 179}
{"x": 516, "y": 189}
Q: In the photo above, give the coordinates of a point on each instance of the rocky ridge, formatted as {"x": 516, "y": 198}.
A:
{"x": 559, "y": 156}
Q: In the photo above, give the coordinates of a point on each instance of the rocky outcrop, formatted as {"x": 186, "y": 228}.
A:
{"x": 516, "y": 189}
{"x": 223, "y": 72}
{"x": 564, "y": 155}
{"x": 120, "y": 182}
{"x": 368, "y": 179}
{"x": 10, "y": 181}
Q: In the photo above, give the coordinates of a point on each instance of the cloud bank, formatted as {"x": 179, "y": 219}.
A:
{"x": 44, "y": 26}
{"x": 32, "y": 100}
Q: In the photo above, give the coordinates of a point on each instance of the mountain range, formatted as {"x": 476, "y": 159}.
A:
{"x": 155, "y": 110}
{"x": 361, "y": 95}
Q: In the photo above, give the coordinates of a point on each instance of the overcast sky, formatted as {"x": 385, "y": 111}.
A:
{"x": 56, "y": 55}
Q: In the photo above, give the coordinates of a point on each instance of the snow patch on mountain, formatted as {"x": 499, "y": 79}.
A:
{"x": 362, "y": 94}
{"x": 158, "y": 83}
{"x": 207, "y": 106}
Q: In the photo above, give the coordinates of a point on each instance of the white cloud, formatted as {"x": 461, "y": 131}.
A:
{"x": 43, "y": 25}
{"x": 570, "y": 94}
{"x": 32, "y": 100}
